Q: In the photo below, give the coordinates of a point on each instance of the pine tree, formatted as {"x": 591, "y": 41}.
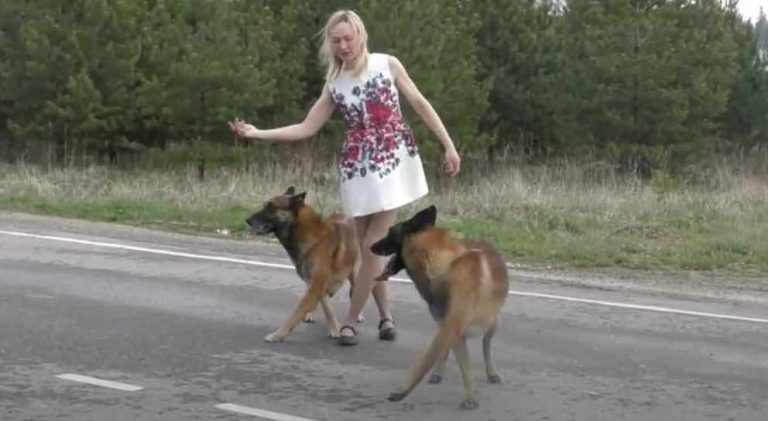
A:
{"x": 515, "y": 51}
{"x": 747, "y": 116}
{"x": 643, "y": 73}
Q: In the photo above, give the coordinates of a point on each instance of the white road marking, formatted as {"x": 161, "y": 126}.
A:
{"x": 99, "y": 382}
{"x": 146, "y": 250}
{"x": 400, "y": 280}
{"x": 640, "y": 307}
{"x": 246, "y": 410}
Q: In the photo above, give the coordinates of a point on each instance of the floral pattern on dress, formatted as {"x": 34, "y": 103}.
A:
{"x": 375, "y": 129}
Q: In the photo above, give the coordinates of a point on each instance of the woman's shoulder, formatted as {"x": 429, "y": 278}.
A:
{"x": 378, "y": 56}
{"x": 385, "y": 60}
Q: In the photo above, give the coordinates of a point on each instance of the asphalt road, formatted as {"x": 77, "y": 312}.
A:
{"x": 176, "y": 324}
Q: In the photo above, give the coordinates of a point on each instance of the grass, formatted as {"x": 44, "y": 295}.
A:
{"x": 562, "y": 215}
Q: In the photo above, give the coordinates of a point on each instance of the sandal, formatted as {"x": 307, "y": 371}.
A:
{"x": 348, "y": 340}
{"x": 387, "y": 333}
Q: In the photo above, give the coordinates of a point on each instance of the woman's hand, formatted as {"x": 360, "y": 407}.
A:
{"x": 452, "y": 162}
{"x": 243, "y": 130}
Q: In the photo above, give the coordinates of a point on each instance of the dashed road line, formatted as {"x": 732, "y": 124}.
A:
{"x": 99, "y": 382}
{"x": 261, "y": 413}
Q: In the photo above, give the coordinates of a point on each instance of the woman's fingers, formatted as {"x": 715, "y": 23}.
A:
{"x": 237, "y": 127}
{"x": 233, "y": 128}
{"x": 452, "y": 164}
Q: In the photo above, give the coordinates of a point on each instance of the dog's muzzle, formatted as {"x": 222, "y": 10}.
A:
{"x": 258, "y": 227}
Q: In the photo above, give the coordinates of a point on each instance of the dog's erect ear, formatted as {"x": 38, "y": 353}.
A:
{"x": 297, "y": 200}
{"x": 291, "y": 190}
{"x": 424, "y": 219}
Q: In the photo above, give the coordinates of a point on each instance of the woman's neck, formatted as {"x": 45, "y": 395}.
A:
{"x": 351, "y": 64}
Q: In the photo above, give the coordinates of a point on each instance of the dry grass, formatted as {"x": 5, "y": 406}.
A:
{"x": 567, "y": 214}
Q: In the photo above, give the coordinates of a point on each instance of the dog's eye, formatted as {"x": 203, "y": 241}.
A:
{"x": 269, "y": 206}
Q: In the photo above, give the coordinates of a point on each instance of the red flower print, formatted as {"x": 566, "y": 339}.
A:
{"x": 378, "y": 113}
{"x": 353, "y": 152}
{"x": 375, "y": 130}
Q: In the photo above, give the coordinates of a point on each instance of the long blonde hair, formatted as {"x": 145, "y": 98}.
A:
{"x": 332, "y": 63}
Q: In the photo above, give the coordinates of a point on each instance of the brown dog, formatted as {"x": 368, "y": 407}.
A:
{"x": 324, "y": 250}
{"x": 465, "y": 285}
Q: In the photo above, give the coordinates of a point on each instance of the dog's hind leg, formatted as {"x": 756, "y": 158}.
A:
{"x": 462, "y": 356}
{"x": 330, "y": 317}
{"x": 308, "y": 303}
{"x": 437, "y": 372}
{"x": 309, "y": 317}
{"x": 490, "y": 367}
{"x": 441, "y": 343}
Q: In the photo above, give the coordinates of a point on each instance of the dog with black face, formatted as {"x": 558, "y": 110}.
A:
{"x": 464, "y": 283}
{"x": 324, "y": 251}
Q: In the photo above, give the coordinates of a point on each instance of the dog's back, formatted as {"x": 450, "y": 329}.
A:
{"x": 479, "y": 285}
{"x": 469, "y": 274}
{"x": 331, "y": 246}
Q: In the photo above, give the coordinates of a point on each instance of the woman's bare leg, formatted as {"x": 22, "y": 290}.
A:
{"x": 361, "y": 227}
{"x": 381, "y": 296}
{"x": 371, "y": 228}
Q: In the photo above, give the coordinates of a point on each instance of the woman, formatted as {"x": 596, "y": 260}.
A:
{"x": 379, "y": 163}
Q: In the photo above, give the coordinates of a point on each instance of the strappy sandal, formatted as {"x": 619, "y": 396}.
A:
{"x": 348, "y": 340}
{"x": 387, "y": 333}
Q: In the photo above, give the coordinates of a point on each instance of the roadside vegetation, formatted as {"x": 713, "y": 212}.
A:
{"x": 563, "y": 215}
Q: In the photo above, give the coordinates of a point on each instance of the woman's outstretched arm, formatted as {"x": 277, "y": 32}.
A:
{"x": 316, "y": 117}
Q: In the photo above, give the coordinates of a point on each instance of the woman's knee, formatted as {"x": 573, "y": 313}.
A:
{"x": 374, "y": 228}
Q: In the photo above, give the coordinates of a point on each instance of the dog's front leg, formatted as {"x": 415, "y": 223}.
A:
{"x": 308, "y": 303}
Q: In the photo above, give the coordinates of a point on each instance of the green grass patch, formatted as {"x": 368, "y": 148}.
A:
{"x": 140, "y": 212}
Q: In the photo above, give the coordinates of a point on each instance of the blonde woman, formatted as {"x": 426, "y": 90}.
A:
{"x": 379, "y": 164}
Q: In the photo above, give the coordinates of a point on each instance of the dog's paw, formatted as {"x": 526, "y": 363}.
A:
{"x": 273, "y": 337}
{"x": 469, "y": 403}
{"x": 435, "y": 378}
{"x": 309, "y": 318}
{"x": 494, "y": 378}
{"x": 396, "y": 397}
{"x": 333, "y": 334}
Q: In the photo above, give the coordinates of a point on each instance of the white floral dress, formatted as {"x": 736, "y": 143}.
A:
{"x": 379, "y": 162}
